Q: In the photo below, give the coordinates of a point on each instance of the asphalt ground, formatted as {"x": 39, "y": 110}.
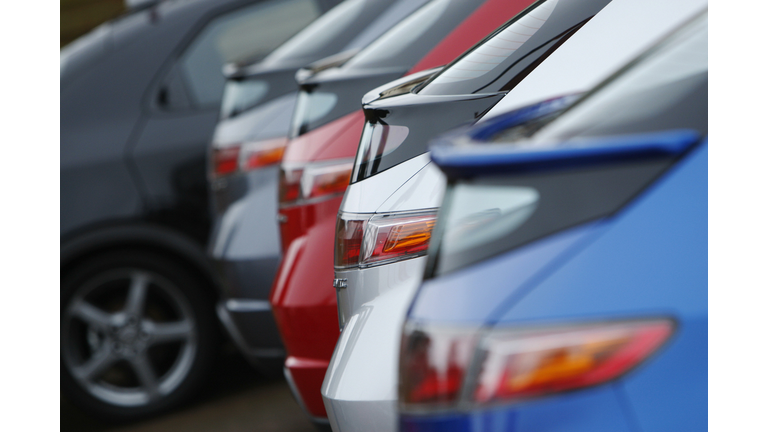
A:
{"x": 236, "y": 399}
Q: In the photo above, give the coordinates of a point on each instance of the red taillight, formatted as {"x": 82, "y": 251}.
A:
{"x": 244, "y": 157}
{"x": 225, "y": 160}
{"x": 349, "y": 239}
{"x": 314, "y": 181}
{"x": 516, "y": 364}
{"x": 290, "y": 185}
{"x": 433, "y": 365}
{"x": 262, "y": 153}
{"x": 382, "y": 238}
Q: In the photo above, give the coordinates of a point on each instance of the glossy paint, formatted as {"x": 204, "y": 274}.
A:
{"x": 655, "y": 250}
{"x": 303, "y": 297}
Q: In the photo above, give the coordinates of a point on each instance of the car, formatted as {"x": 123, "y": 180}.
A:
{"x": 316, "y": 167}
{"x": 140, "y": 96}
{"x": 566, "y": 284}
{"x": 385, "y": 221}
{"x": 244, "y": 157}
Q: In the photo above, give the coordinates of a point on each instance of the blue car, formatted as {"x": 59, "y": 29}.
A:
{"x": 566, "y": 286}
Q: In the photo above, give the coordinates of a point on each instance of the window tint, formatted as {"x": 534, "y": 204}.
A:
{"x": 491, "y": 215}
{"x": 241, "y": 95}
{"x": 664, "y": 89}
{"x": 508, "y": 55}
{"x": 241, "y": 36}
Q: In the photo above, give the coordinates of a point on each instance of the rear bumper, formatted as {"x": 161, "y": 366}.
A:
{"x": 252, "y": 328}
{"x": 360, "y": 387}
{"x": 601, "y": 409}
{"x": 304, "y": 377}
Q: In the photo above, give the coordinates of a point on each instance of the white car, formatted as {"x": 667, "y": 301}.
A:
{"x": 390, "y": 207}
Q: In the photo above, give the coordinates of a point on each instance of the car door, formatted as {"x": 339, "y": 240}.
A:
{"x": 182, "y": 106}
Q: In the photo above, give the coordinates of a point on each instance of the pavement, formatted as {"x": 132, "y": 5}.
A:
{"x": 237, "y": 399}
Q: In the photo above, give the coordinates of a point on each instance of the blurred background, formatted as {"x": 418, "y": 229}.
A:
{"x": 78, "y": 17}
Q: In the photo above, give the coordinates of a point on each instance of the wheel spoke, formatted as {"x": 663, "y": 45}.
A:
{"x": 146, "y": 374}
{"x": 137, "y": 293}
{"x": 98, "y": 363}
{"x": 169, "y": 332}
{"x": 90, "y": 314}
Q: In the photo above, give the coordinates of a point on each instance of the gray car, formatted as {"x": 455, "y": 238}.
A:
{"x": 140, "y": 97}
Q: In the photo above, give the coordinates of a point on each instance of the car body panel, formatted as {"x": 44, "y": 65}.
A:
{"x": 591, "y": 43}
{"x": 655, "y": 249}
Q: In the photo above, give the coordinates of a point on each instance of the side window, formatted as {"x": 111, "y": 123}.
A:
{"x": 241, "y": 36}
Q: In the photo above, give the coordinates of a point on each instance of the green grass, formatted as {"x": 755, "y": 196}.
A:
{"x": 80, "y": 16}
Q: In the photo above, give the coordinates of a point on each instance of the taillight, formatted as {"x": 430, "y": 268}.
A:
{"x": 364, "y": 240}
{"x": 262, "y": 153}
{"x": 314, "y": 182}
{"x": 441, "y": 368}
{"x": 247, "y": 156}
{"x": 225, "y": 160}
{"x": 349, "y": 239}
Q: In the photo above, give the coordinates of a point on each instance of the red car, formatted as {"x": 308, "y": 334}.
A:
{"x": 317, "y": 165}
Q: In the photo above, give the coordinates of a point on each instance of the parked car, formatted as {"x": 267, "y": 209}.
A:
{"x": 566, "y": 285}
{"x": 316, "y": 168}
{"x": 246, "y": 150}
{"x": 388, "y": 212}
{"x": 140, "y": 96}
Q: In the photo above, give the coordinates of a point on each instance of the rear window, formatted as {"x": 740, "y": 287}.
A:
{"x": 491, "y": 215}
{"x": 513, "y": 51}
{"x": 664, "y": 89}
{"x": 241, "y": 36}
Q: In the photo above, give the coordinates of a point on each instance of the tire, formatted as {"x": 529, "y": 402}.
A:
{"x": 138, "y": 335}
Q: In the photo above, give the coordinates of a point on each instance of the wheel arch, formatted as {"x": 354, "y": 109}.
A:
{"x": 139, "y": 236}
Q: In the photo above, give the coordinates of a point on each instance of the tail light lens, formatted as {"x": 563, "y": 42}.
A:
{"x": 314, "y": 182}
{"x": 247, "y": 156}
{"x": 225, "y": 160}
{"x": 262, "y": 153}
{"x": 349, "y": 239}
{"x": 365, "y": 240}
{"x": 511, "y": 365}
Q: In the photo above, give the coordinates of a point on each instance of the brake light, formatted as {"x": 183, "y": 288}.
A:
{"x": 349, "y": 239}
{"x": 262, "y": 153}
{"x": 516, "y": 364}
{"x": 314, "y": 182}
{"x": 290, "y": 185}
{"x": 225, "y": 160}
{"x": 364, "y": 240}
{"x": 245, "y": 157}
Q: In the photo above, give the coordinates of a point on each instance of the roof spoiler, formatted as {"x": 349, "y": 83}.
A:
{"x": 331, "y": 61}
